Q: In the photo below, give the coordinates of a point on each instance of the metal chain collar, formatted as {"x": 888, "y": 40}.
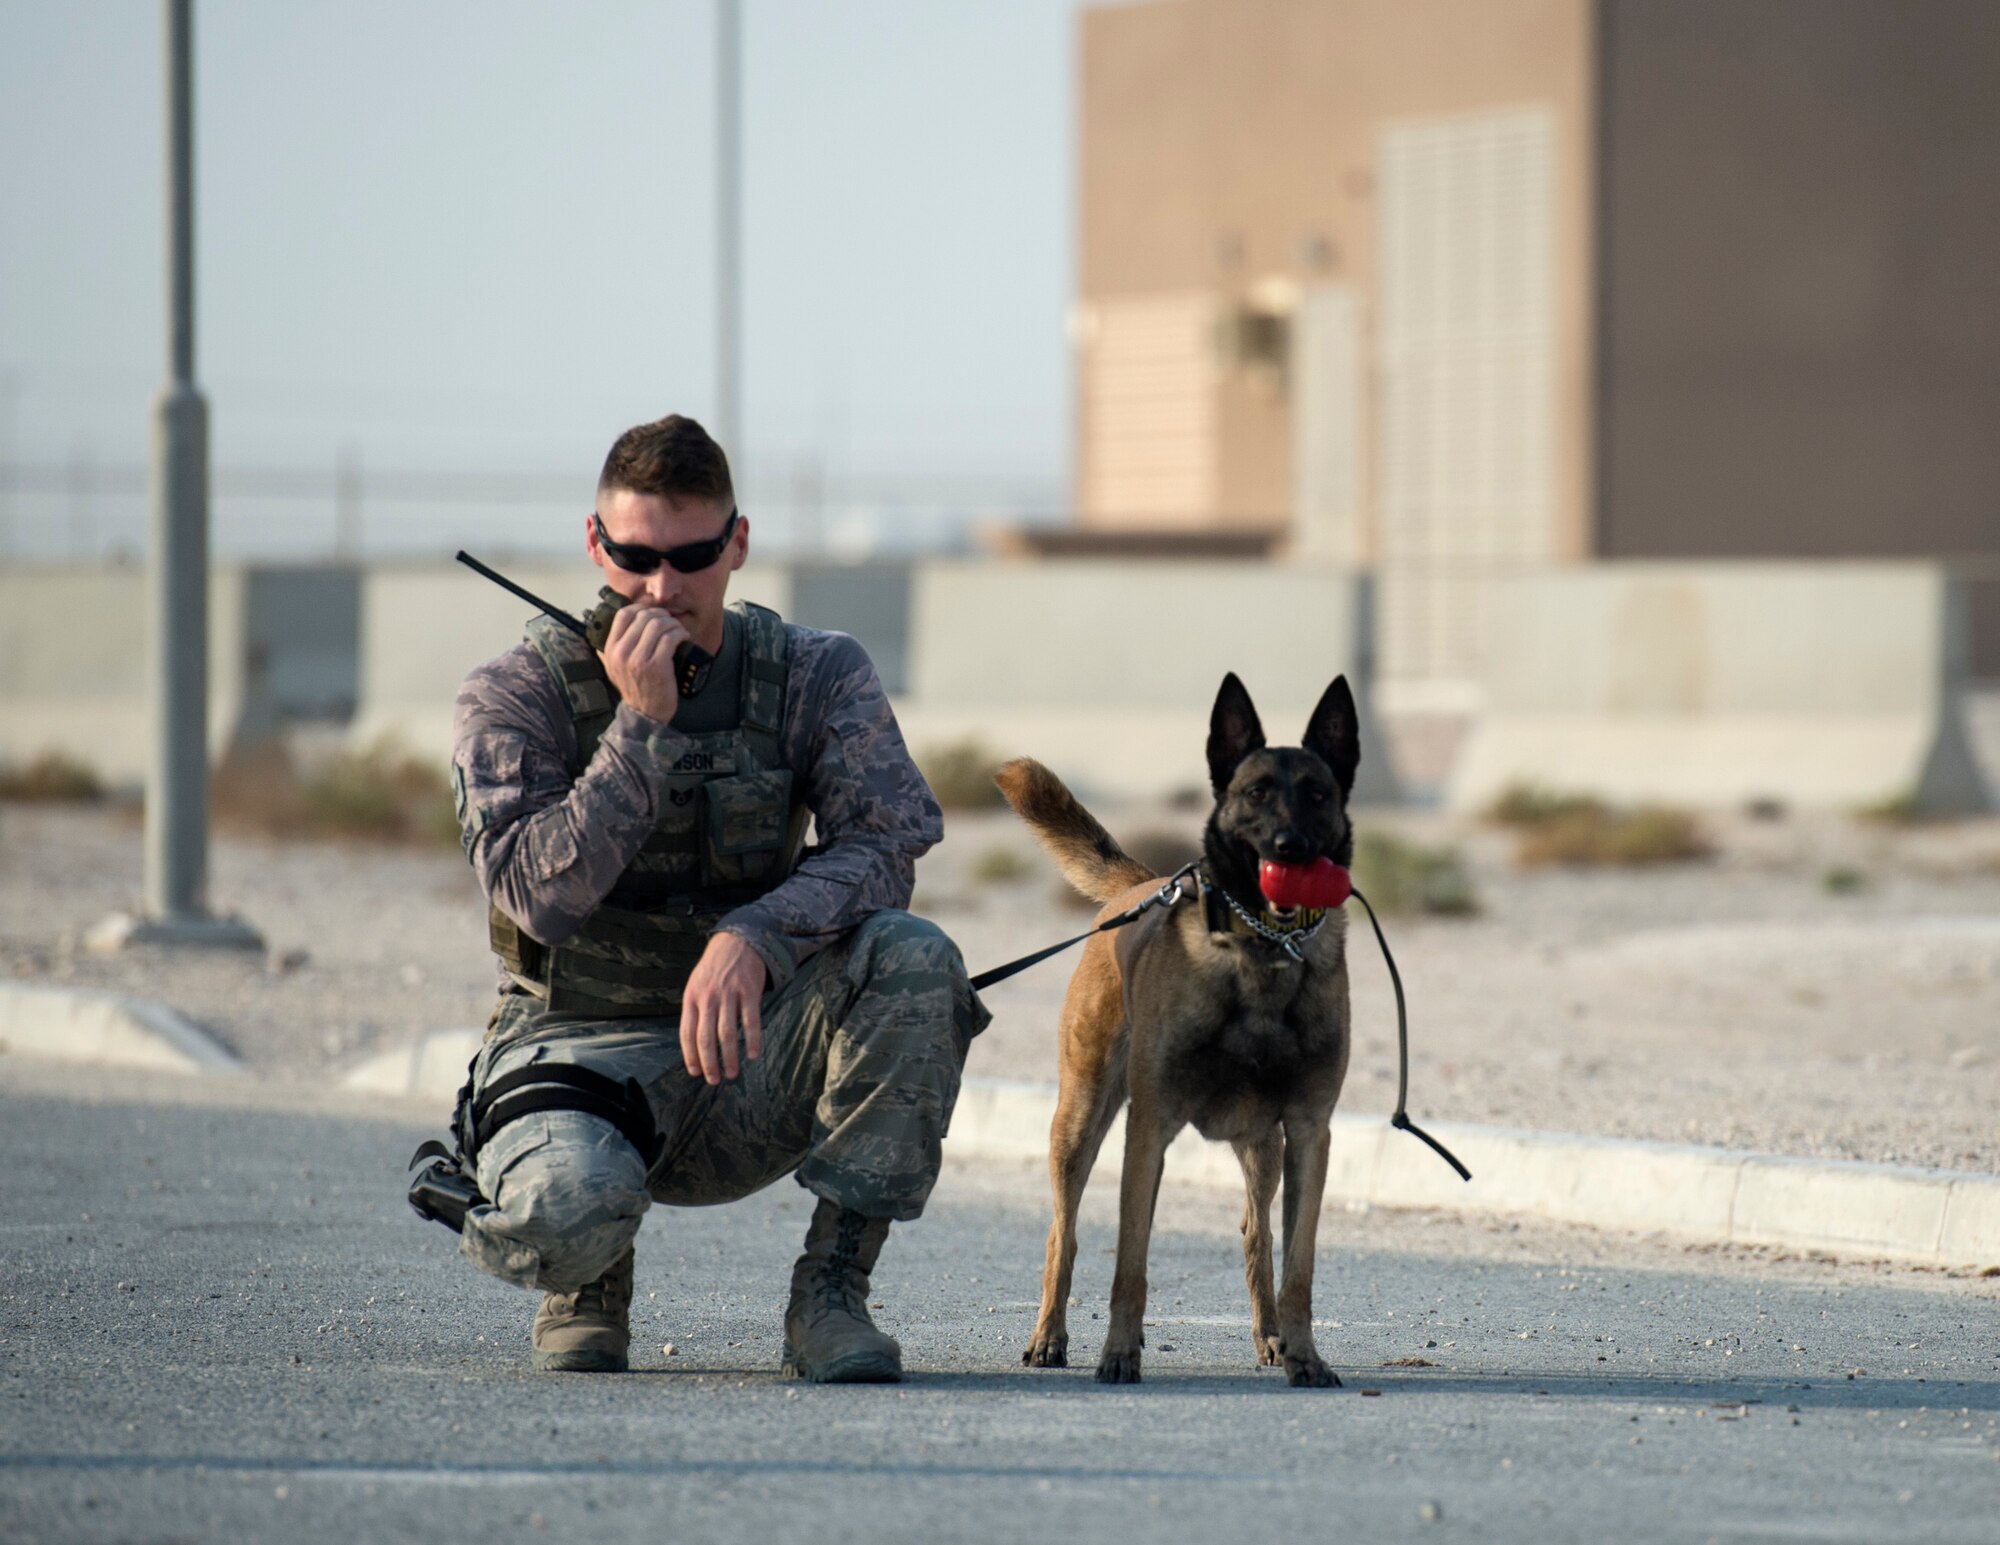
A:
{"x": 1288, "y": 939}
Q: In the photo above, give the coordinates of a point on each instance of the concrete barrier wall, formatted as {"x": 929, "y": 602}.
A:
{"x": 1824, "y": 684}
{"x": 1820, "y": 684}
{"x": 869, "y": 600}
{"x": 73, "y": 666}
{"x": 1106, "y": 669}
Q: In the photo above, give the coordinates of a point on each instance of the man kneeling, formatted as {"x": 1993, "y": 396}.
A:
{"x": 692, "y": 1003}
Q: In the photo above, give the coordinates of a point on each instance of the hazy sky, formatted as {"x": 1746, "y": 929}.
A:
{"x": 481, "y": 235}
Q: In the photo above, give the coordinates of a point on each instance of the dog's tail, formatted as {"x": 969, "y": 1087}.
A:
{"x": 1084, "y": 851}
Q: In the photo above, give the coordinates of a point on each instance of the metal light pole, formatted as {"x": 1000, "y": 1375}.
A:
{"x": 728, "y": 229}
{"x": 9, "y": 450}
{"x": 176, "y": 878}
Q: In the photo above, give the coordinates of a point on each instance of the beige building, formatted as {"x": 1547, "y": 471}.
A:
{"x": 1452, "y": 289}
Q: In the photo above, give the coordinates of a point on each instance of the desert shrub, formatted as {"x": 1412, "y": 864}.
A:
{"x": 436, "y": 820}
{"x": 960, "y": 773}
{"x": 1530, "y": 804}
{"x": 379, "y": 794}
{"x": 1397, "y": 875}
{"x": 54, "y": 777}
{"x": 1898, "y": 809}
{"x": 1000, "y": 864}
{"x": 1559, "y": 827}
{"x": 1598, "y": 835}
{"x": 255, "y": 788}
{"x": 1842, "y": 880}
{"x": 1162, "y": 851}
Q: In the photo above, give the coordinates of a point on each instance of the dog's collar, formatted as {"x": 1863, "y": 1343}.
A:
{"x": 1225, "y": 914}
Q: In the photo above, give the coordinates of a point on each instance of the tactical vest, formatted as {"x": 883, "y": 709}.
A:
{"x": 730, "y": 828}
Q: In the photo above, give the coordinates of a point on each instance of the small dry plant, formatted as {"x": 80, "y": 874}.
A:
{"x": 52, "y": 778}
{"x": 1578, "y": 829}
{"x": 1397, "y": 875}
{"x": 1000, "y": 865}
{"x": 1898, "y": 809}
{"x": 960, "y": 773}
{"x": 380, "y": 794}
{"x": 1163, "y": 852}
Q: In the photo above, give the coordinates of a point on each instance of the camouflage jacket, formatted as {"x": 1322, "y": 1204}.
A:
{"x": 548, "y": 837}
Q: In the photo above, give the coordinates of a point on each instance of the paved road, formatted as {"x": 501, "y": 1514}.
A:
{"x": 220, "y": 1322}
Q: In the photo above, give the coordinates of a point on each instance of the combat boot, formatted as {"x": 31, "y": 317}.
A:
{"x": 829, "y": 1338}
{"x": 587, "y": 1331}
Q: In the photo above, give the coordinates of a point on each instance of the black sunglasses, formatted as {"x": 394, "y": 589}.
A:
{"x": 688, "y": 558}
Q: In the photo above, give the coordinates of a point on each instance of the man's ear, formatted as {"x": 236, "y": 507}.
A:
{"x": 1233, "y": 732}
{"x": 1333, "y": 733}
{"x": 739, "y": 542}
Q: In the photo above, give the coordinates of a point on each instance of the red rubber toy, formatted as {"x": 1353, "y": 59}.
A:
{"x": 1321, "y": 885}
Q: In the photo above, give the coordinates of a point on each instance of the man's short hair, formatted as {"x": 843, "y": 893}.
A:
{"x": 673, "y": 458}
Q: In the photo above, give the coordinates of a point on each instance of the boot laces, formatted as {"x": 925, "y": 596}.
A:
{"x": 833, "y": 1286}
{"x": 608, "y": 1295}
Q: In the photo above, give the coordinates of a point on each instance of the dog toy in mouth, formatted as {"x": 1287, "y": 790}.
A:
{"x": 1321, "y": 885}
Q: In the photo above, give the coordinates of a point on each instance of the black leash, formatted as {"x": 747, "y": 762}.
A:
{"x": 1169, "y": 895}
{"x": 1401, "y": 1120}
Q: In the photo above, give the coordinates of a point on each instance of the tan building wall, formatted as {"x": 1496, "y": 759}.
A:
{"x": 1454, "y": 289}
{"x": 1801, "y": 316}
{"x": 1231, "y": 154}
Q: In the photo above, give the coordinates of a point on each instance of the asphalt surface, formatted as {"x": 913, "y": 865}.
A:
{"x": 220, "y": 1322}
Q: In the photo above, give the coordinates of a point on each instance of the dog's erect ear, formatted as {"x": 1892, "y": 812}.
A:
{"x": 1333, "y": 735}
{"x": 1233, "y": 732}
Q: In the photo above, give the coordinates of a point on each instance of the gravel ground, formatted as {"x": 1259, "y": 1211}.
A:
{"x": 1735, "y": 1001}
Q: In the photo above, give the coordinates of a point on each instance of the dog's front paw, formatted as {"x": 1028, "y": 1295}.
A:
{"x": 1047, "y": 1351}
{"x": 1118, "y": 1367}
{"x": 1270, "y": 1351}
{"x": 1306, "y": 1371}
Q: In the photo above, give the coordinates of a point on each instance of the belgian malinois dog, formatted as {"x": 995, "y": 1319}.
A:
{"x": 1223, "y": 1013}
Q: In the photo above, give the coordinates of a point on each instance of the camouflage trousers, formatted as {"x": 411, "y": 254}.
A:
{"x": 862, "y": 1055}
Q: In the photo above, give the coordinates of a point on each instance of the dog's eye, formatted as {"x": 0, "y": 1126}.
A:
{"x": 1315, "y": 795}
{"x": 1257, "y": 793}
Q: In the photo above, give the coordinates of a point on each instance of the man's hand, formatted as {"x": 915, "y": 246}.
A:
{"x": 723, "y": 997}
{"x": 639, "y": 659}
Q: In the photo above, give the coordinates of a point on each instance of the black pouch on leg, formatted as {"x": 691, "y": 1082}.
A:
{"x": 444, "y": 1190}
{"x": 441, "y": 1191}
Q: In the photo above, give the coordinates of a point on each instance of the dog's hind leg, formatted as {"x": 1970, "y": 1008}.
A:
{"x": 1262, "y": 1163}
{"x": 1306, "y": 1147}
{"x": 1083, "y": 1116}
{"x": 1146, "y": 1139}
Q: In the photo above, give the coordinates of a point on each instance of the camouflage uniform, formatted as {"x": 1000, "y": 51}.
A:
{"x": 867, "y": 1014}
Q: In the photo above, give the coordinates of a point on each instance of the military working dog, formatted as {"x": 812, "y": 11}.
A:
{"x": 1223, "y": 1013}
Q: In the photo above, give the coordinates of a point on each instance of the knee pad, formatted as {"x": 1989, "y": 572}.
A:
{"x": 567, "y": 1190}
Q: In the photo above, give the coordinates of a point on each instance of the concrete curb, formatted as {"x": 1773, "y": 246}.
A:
{"x": 430, "y": 1067}
{"x": 72, "y": 1025}
{"x": 1941, "y": 1217}
{"x": 1717, "y": 1195}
